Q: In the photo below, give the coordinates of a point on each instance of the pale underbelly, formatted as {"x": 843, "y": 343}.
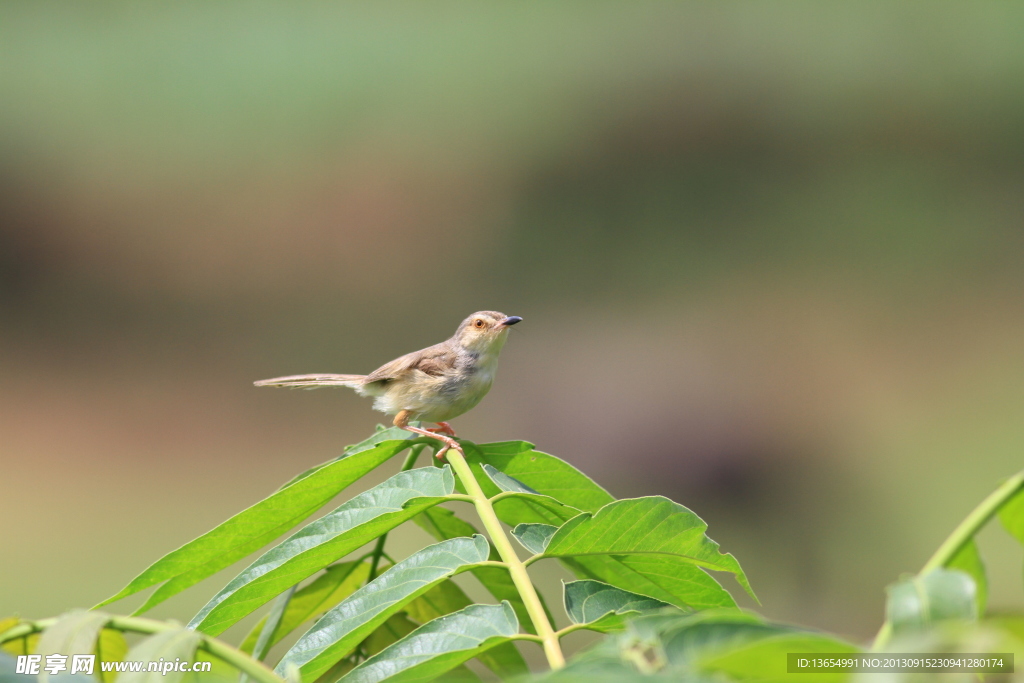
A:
{"x": 437, "y": 400}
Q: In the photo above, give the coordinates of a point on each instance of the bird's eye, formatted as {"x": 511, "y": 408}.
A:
{"x": 479, "y": 322}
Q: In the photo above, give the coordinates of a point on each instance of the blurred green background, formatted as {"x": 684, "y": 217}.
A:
{"x": 770, "y": 260}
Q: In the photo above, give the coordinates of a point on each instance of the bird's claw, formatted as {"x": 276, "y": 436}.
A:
{"x": 443, "y": 428}
{"x": 448, "y": 443}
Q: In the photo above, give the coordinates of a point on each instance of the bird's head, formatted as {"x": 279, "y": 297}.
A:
{"x": 485, "y": 331}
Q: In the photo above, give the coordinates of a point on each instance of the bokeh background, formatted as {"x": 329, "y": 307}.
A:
{"x": 770, "y": 260}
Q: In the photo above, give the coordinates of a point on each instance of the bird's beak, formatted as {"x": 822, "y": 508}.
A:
{"x": 511, "y": 320}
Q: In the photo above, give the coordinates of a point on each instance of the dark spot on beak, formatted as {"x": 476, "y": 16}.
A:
{"x": 511, "y": 320}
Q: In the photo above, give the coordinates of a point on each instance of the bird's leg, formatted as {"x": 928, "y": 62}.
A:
{"x": 443, "y": 428}
{"x": 402, "y": 422}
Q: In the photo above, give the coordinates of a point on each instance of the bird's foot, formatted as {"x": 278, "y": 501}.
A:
{"x": 448, "y": 441}
{"x": 443, "y": 428}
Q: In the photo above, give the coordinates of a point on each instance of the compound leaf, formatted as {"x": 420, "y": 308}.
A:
{"x": 765, "y": 660}
{"x": 699, "y": 647}
{"x": 260, "y": 524}
{"x": 168, "y": 645}
{"x": 601, "y": 607}
{"x": 336, "y": 583}
{"x": 111, "y": 646}
{"x": 446, "y": 597}
{"x": 74, "y": 633}
{"x": 323, "y": 541}
{"x": 664, "y": 578}
{"x": 544, "y": 473}
{"x": 356, "y": 617}
{"x": 652, "y": 546}
{"x": 534, "y": 537}
{"x": 439, "y": 646}
{"x": 505, "y": 482}
{"x": 442, "y": 523}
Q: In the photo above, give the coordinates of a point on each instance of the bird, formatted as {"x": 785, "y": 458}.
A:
{"x": 435, "y": 384}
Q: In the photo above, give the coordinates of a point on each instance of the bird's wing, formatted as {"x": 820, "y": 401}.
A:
{"x": 312, "y": 381}
{"x": 433, "y": 360}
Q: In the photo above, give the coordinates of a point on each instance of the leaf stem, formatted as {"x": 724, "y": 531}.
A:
{"x": 236, "y": 658}
{"x": 516, "y": 568}
{"x": 461, "y": 498}
{"x": 378, "y": 550}
{"x": 570, "y": 629}
{"x": 961, "y": 535}
{"x": 973, "y": 522}
{"x": 503, "y": 495}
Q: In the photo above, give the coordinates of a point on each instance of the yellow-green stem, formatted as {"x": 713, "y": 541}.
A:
{"x": 235, "y": 657}
{"x": 516, "y": 568}
{"x": 961, "y": 535}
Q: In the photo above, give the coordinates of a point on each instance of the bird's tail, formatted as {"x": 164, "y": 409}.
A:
{"x": 313, "y": 381}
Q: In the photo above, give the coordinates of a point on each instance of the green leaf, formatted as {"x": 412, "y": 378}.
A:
{"x": 442, "y": 524}
{"x": 20, "y": 646}
{"x": 356, "y": 617}
{"x": 260, "y": 524}
{"x": 669, "y": 643}
{"x": 659, "y": 549}
{"x": 337, "y": 671}
{"x": 505, "y": 482}
{"x": 698, "y": 647}
{"x": 517, "y": 507}
{"x": 393, "y": 630}
{"x": 167, "y": 645}
{"x": 679, "y": 584}
{"x": 968, "y": 560}
{"x": 601, "y": 607}
{"x": 320, "y": 543}
{"x": 442, "y": 599}
{"x": 534, "y": 537}
{"x": 82, "y": 632}
{"x": 662, "y": 578}
{"x": 73, "y": 633}
{"x": 920, "y": 601}
{"x": 446, "y": 597}
{"x": 396, "y": 627}
{"x": 336, "y": 583}
{"x": 7, "y": 623}
{"x": 766, "y": 660}
{"x": 110, "y": 647}
{"x": 439, "y": 646}
{"x": 1011, "y": 514}
{"x": 533, "y": 471}
{"x": 544, "y": 473}
{"x": 271, "y": 621}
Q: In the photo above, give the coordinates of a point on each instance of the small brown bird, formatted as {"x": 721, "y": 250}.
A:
{"x": 435, "y": 384}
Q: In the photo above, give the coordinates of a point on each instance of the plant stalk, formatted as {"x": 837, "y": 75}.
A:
{"x": 962, "y": 534}
{"x": 516, "y": 568}
{"x": 973, "y": 523}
